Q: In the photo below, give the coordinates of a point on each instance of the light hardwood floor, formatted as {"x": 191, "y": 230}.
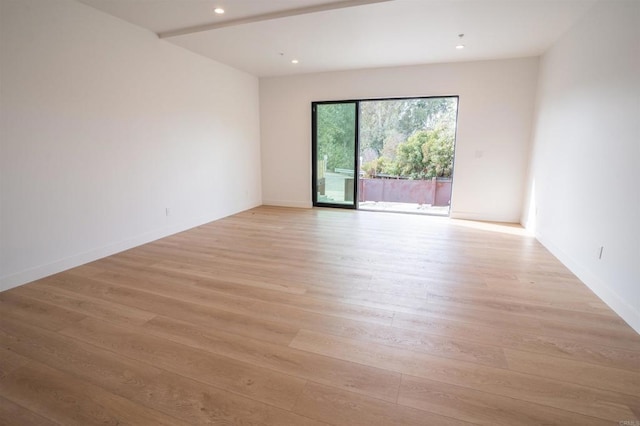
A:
{"x": 282, "y": 316}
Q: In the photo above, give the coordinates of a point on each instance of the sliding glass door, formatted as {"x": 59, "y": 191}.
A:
{"x": 335, "y": 142}
{"x": 385, "y": 154}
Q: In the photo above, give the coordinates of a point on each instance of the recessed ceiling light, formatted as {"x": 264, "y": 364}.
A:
{"x": 218, "y": 11}
{"x": 294, "y": 61}
{"x": 460, "y": 46}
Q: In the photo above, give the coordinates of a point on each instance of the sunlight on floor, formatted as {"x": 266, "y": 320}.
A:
{"x": 414, "y": 208}
{"x": 504, "y": 228}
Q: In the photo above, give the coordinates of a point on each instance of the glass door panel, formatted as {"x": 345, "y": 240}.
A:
{"x": 406, "y": 154}
{"x": 335, "y": 140}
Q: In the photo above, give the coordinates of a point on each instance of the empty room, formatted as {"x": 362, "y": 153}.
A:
{"x": 320, "y": 212}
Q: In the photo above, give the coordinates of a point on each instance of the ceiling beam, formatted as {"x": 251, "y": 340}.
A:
{"x": 268, "y": 16}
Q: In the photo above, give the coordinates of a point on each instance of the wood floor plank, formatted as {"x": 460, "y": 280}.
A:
{"x": 188, "y": 270}
{"x": 362, "y": 296}
{"x": 340, "y": 407}
{"x": 524, "y": 339}
{"x": 261, "y": 384}
{"x": 178, "y": 396}
{"x": 432, "y": 344}
{"x": 70, "y": 401}
{"x": 93, "y": 364}
{"x": 283, "y": 316}
{"x": 357, "y": 378}
{"x": 612, "y": 333}
{"x": 203, "y": 404}
{"x": 12, "y": 414}
{"x": 571, "y": 371}
{"x": 85, "y": 305}
{"x": 271, "y": 304}
{"x": 503, "y": 297}
{"x": 255, "y": 309}
{"x": 36, "y": 312}
{"x": 484, "y": 408}
{"x": 524, "y": 308}
{"x": 10, "y": 360}
{"x": 87, "y": 270}
{"x": 562, "y": 395}
{"x": 175, "y": 308}
{"x": 566, "y": 288}
{"x": 206, "y": 269}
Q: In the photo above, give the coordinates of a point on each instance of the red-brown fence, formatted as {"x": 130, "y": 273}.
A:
{"x": 434, "y": 192}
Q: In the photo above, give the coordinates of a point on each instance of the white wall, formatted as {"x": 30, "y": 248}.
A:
{"x": 102, "y": 127}
{"x": 585, "y": 169}
{"x": 494, "y": 128}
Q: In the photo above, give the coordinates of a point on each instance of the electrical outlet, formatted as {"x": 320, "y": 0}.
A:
{"x": 167, "y": 211}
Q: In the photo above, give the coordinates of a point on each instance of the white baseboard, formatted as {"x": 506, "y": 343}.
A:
{"x": 482, "y": 217}
{"x": 283, "y": 203}
{"x": 618, "y": 304}
{"x": 41, "y": 271}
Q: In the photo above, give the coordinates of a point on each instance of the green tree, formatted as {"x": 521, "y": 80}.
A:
{"x": 426, "y": 154}
{"x": 383, "y": 123}
{"x": 411, "y": 137}
{"x": 425, "y": 114}
{"x": 336, "y": 134}
{"x": 378, "y": 120}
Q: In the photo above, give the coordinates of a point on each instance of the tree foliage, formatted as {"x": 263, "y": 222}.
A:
{"x": 411, "y": 138}
{"x": 382, "y": 122}
{"x": 378, "y": 120}
{"x": 336, "y": 129}
{"x": 426, "y": 154}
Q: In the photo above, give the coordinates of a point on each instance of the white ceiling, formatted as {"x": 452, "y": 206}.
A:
{"x": 387, "y": 33}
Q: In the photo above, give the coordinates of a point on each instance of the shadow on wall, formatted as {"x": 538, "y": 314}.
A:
{"x": 532, "y": 210}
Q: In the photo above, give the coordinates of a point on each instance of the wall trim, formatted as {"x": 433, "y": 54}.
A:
{"x": 620, "y": 306}
{"x": 28, "y": 275}
{"x": 482, "y": 217}
{"x": 285, "y": 203}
